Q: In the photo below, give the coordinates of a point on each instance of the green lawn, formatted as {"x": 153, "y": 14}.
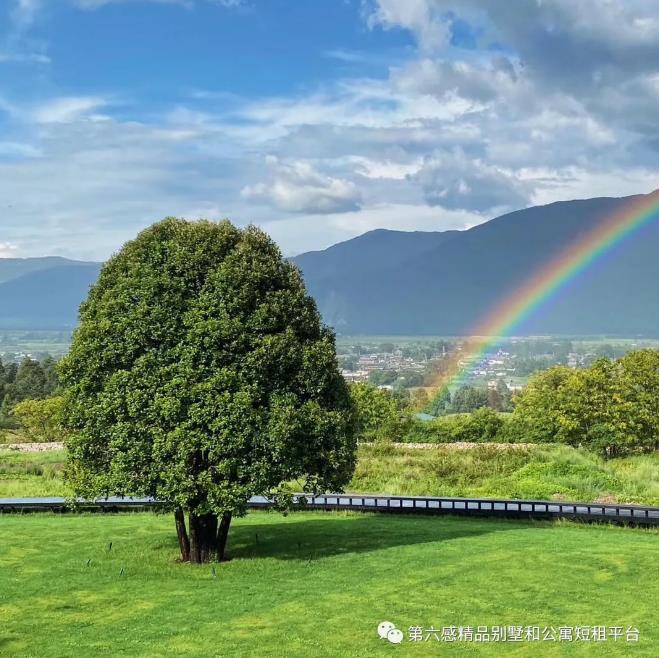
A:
{"x": 317, "y": 584}
{"x": 543, "y": 472}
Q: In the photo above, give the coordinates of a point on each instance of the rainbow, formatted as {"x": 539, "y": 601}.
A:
{"x": 547, "y": 282}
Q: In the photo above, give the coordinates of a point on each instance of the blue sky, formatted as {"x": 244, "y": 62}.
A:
{"x": 316, "y": 119}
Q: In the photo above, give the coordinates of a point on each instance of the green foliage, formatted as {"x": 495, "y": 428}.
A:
{"x": 31, "y": 380}
{"x": 402, "y": 397}
{"x": 378, "y": 415}
{"x": 504, "y": 397}
{"x": 441, "y": 403}
{"x": 468, "y": 398}
{"x": 465, "y": 399}
{"x": 610, "y": 407}
{"x": 201, "y": 374}
{"x": 482, "y": 426}
{"x": 41, "y": 420}
{"x": 419, "y": 399}
{"x": 411, "y": 378}
{"x": 382, "y": 377}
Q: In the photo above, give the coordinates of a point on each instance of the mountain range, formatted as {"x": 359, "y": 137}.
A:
{"x": 434, "y": 283}
{"x": 442, "y": 283}
{"x": 43, "y": 293}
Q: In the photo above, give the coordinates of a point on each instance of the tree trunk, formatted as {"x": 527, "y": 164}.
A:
{"x": 222, "y": 534}
{"x": 203, "y": 537}
{"x": 183, "y": 540}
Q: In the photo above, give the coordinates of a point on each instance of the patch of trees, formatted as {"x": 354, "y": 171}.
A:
{"x": 612, "y": 407}
{"x": 40, "y": 420}
{"x": 480, "y": 426}
{"x": 528, "y": 365}
{"x": 382, "y": 377}
{"x": 19, "y": 382}
{"x": 379, "y": 415}
{"x": 469, "y": 398}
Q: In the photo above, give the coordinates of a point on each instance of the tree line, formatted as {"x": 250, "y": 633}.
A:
{"x": 610, "y": 407}
{"x": 27, "y": 381}
{"x": 468, "y": 398}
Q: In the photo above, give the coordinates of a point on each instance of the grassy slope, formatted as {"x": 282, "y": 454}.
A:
{"x": 538, "y": 472}
{"x": 543, "y": 472}
{"x": 316, "y": 585}
{"x": 13, "y": 436}
{"x": 31, "y": 474}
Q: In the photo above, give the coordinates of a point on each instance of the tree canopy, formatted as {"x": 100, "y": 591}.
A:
{"x": 378, "y": 415}
{"x": 610, "y": 407}
{"x": 28, "y": 380}
{"x": 201, "y": 374}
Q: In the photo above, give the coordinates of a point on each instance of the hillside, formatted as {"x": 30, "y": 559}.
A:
{"x": 397, "y": 282}
{"x": 446, "y": 288}
{"x": 43, "y": 293}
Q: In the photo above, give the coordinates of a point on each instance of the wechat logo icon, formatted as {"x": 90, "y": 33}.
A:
{"x": 387, "y": 631}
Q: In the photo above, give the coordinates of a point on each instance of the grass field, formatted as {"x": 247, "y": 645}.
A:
{"x": 31, "y": 474}
{"x": 540, "y": 472}
{"x": 317, "y": 584}
{"x": 545, "y": 472}
{"x": 13, "y": 436}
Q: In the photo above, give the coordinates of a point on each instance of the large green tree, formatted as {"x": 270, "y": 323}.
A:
{"x": 611, "y": 407}
{"x": 378, "y": 416}
{"x": 200, "y": 374}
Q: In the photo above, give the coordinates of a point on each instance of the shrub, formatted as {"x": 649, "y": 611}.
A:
{"x": 481, "y": 426}
{"x": 41, "y": 420}
{"x": 610, "y": 407}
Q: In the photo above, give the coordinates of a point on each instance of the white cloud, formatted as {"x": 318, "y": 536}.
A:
{"x": 419, "y": 16}
{"x": 65, "y": 109}
{"x": 7, "y": 250}
{"x": 480, "y": 81}
{"x": 34, "y": 58}
{"x": 453, "y": 181}
{"x": 299, "y": 188}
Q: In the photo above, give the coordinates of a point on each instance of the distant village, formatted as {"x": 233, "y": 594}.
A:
{"x": 413, "y": 365}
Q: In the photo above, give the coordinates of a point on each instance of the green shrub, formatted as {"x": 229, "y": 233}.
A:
{"x": 378, "y": 416}
{"x": 41, "y": 419}
{"x": 481, "y": 426}
{"x": 610, "y": 408}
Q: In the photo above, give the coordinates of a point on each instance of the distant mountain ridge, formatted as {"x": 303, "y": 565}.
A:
{"x": 448, "y": 287}
{"x": 12, "y": 268}
{"x": 43, "y": 293}
{"x": 433, "y": 283}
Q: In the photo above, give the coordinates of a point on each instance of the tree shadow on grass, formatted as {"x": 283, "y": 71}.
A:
{"x": 323, "y": 537}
